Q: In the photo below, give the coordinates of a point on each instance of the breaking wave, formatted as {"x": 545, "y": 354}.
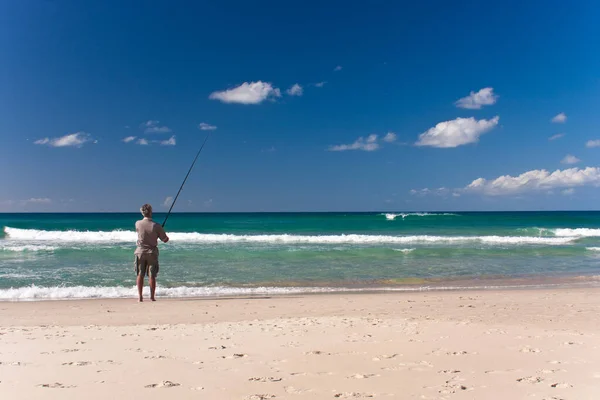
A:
{"x": 60, "y": 237}
{"x": 392, "y": 217}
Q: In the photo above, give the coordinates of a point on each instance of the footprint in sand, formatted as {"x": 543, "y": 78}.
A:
{"x": 386, "y": 357}
{"x": 56, "y": 385}
{"x": 449, "y": 371}
{"x": 529, "y": 349}
{"x": 561, "y": 385}
{"x": 293, "y": 390}
{"x": 531, "y": 379}
{"x": 163, "y": 384}
{"x": 154, "y": 357}
{"x": 361, "y": 376}
{"x": 77, "y": 363}
{"x": 314, "y": 352}
{"x": 264, "y": 379}
{"x": 352, "y": 395}
{"x": 260, "y": 396}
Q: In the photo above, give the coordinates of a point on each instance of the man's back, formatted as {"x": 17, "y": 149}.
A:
{"x": 148, "y": 234}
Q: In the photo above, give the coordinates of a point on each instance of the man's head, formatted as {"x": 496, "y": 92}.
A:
{"x": 146, "y": 210}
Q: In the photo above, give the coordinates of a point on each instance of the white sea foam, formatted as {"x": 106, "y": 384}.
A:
{"x": 392, "y": 217}
{"x": 27, "y": 247}
{"x": 33, "y": 292}
{"x": 405, "y": 251}
{"x": 58, "y": 237}
{"x": 576, "y": 232}
{"x": 593, "y": 248}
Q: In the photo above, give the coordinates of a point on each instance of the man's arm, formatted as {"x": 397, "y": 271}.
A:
{"x": 161, "y": 234}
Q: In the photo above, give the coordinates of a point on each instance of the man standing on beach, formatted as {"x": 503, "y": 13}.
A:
{"x": 146, "y": 253}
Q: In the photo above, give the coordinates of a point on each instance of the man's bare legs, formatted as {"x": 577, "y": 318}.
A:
{"x": 140, "y": 287}
{"x": 152, "y": 281}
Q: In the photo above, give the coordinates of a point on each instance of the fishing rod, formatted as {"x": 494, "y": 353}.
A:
{"x": 185, "y": 179}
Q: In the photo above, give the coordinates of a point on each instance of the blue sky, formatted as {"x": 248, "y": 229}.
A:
{"x": 77, "y": 78}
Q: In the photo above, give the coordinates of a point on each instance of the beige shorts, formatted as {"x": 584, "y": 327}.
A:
{"x": 146, "y": 264}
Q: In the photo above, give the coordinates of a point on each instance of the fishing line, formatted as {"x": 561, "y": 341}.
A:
{"x": 185, "y": 179}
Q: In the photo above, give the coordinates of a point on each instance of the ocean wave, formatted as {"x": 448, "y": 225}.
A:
{"x": 576, "y": 232}
{"x": 27, "y": 247}
{"x": 211, "y": 238}
{"x": 593, "y": 248}
{"x": 392, "y": 217}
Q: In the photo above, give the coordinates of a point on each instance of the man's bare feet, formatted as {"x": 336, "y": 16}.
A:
{"x": 140, "y": 300}
{"x": 153, "y": 299}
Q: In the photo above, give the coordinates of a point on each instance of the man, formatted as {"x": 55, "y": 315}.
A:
{"x": 146, "y": 253}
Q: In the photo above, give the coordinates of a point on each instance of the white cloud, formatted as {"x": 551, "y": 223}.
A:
{"x": 559, "y": 118}
{"x": 129, "y": 139}
{"x": 570, "y": 159}
{"x": 37, "y": 200}
{"x": 568, "y": 192}
{"x": 390, "y": 137}
{"x": 168, "y": 201}
{"x": 474, "y": 101}
{"x": 142, "y": 142}
{"x": 153, "y": 126}
{"x": 320, "y": 84}
{"x": 456, "y": 132}
{"x": 536, "y": 180}
{"x": 426, "y": 191}
{"x": 170, "y": 142}
{"x": 247, "y": 93}
{"x": 593, "y": 143}
{"x": 557, "y": 136}
{"x": 295, "y": 90}
{"x": 338, "y": 68}
{"x": 72, "y": 140}
{"x": 368, "y": 144}
{"x": 206, "y": 127}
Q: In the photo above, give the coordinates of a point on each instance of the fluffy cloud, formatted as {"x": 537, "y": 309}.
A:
{"x": 368, "y": 144}
{"x": 206, "y": 127}
{"x": 536, "y": 180}
{"x": 295, "y": 90}
{"x": 390, "y": 137}
{"x": 593, "y": 143}
{"x": 142, "y": 142}
{"x": 72, "y": 140}
{"x": 320, "y": 84}
{"x": 557, "y": 136}
{"x": 568, "y": 192}
{"x": 570, "y": 159}
{"x": 560, "y": 118}
{"x": 247, "y": 93}
{"x": 169, "y": 142}
{"x": 456, "y": 132}
{"x": 476, "y": 100}
{"x": 129, "y": 139}
{"x": 153, "y": 126}
{"x": 338, "y": 68}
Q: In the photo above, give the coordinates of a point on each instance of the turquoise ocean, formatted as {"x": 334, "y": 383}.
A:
{"x": 63, "y": 256}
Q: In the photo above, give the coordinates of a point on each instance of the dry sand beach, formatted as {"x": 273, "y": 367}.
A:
{"x": 519, "y": 344}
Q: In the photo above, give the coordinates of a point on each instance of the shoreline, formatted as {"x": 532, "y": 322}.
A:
{"x": 35, "y": 293}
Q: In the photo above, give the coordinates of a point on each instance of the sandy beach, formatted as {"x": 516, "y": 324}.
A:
{"x": 513, "y": 344}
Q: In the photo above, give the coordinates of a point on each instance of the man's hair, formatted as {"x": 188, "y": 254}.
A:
{"x": 146, "y": 210}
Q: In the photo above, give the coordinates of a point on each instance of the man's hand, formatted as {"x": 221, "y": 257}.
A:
{"x": 166, "y": 239}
